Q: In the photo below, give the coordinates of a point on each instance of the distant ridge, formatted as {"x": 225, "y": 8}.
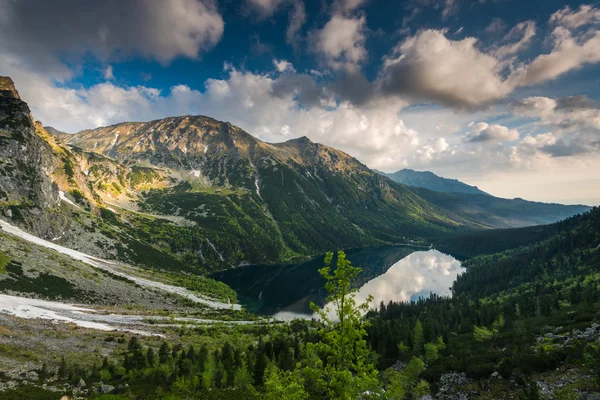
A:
{"x": 431, "y": 181}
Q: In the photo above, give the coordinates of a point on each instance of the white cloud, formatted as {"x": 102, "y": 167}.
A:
{"x": 569, "y": 53}
{"x": 575, "y": 114}
{"x": 111, "y": 30}
{"x": 460, "y": 74}
{"x": 575, "y": 19}
{"x": 526, "y": 29}
{"x": 341, "y": 42}
{"x": 108, "y": 73}
{"x": 283, "y": 65}
{"x": 575, "y": 122}
{"x": 264, "y": 8}
{"x": 453, "y": 72}
{"x": 484, "y": 132}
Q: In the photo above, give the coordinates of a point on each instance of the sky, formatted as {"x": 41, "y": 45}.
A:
{"x": 502, "y": 94}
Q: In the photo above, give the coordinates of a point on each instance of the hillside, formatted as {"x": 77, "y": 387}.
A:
{"x": 527, "y": 314}
{"x": 431, "y": 181}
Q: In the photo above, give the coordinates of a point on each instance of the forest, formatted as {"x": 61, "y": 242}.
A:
{"x": 513, "y": 314}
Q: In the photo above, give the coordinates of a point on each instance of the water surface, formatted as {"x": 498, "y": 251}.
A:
{"x": 390, "y": 273}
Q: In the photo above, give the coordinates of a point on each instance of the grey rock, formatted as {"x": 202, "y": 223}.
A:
{"x": 106, "y": 389}
{"x": 81, "y": 384}
{"x": 399, "y": 366}
{"x": 32, "y": 376}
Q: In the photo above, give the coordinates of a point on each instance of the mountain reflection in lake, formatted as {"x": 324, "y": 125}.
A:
{"x": 390, "y": 273}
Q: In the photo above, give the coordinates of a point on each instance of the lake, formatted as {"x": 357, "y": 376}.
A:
{"x": 389, "y": 273}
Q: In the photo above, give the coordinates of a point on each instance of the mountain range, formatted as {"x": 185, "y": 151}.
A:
{"x": 429, "y": 180}
{"x": 193, "y": 193}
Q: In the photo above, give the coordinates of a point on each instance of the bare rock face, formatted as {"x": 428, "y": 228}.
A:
{"x": 7, "y": 85}
{"x": 26, "y": 160}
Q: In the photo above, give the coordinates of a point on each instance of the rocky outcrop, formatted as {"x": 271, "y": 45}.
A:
{"x": 27, "y": 191}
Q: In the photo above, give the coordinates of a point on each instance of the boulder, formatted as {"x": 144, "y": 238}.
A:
{"x": 81, "y": 384}
{"x": 106, "y": 389}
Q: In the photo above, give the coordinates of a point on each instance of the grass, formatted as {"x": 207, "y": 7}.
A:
{"x": 4, "y": 260}
{"x": 16, "y": 352}
{"x": 30, "y": 392}
{"x": 44, "y": 284}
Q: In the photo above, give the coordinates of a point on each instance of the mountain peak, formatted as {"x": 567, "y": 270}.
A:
{"x": 300, "y": 140}
{"x": 7, "y": 86}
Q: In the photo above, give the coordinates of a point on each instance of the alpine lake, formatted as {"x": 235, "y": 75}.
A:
{"x": 398, "y": 273}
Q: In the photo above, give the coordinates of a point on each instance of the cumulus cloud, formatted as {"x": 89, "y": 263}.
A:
{"x": 462, "y": 75}
{"x": 112, "y": 29}
{"x": 341, "y": 42}
{"x": 484, "y": 132}
{"x": 456, "y": 73}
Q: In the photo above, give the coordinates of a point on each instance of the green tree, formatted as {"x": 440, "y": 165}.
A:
{"x": 288, "y": 385}
{"x": 62, "y": 369}
{"x": 242, "y": 378}
{"x": 208, "y": 376}
{"x": 348, "y": 369}
{"x": 418, "y": 337}
{"x": 407, "y": 383}
{"x": 432, "y": 350}
{"x": 150, "y": 357}
{"x": 164, "y": 353}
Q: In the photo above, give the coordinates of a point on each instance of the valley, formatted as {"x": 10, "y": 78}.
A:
{"x": 184, "y": 257}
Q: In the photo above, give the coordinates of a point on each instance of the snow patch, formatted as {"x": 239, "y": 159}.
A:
{"x": 64, "y": 198}
{"x": 113, "y": 142}
{"x": 215, "y": 249}
{"x": 105, "y": 265}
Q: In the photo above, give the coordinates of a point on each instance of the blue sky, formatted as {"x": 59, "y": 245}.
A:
{"x": 502, "y": 94}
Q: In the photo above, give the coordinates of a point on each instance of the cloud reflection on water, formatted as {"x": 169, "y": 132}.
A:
{"x": 417, "y": 275}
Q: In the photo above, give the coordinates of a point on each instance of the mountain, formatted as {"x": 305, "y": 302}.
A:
{"x": 458, "y": 198}
{"x": 260, "y": 201}
{"x": 498, "y": 212}
{"x": 193, "y": 193}
{"x": 431, "y": 181}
